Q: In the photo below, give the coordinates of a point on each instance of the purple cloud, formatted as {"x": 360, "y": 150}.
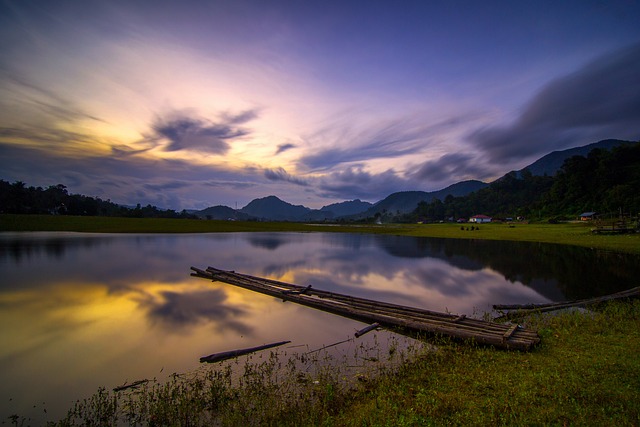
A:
{"x": 451, "y": 167}
{"x": 279, "y": 174}
{"x": 354, "y": 182}
{"x": 284, "y": 147}
{"x": 190, "y": 133}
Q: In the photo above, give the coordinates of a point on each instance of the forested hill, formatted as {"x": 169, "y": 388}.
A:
{"x": 603, "y": 181}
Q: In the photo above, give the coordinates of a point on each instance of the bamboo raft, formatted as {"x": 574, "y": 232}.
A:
{"x": 402, "y": 319}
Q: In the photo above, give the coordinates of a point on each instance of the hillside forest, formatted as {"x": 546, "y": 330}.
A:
{"x": 605, "y": 181}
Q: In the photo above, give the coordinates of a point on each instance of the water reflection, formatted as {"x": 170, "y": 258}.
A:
{"x": 79, "y": 311}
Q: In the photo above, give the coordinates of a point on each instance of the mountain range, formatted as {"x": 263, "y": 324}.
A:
{"x": 271, "y": 208}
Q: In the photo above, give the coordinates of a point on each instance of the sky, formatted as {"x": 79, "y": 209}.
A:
{"x": 197, "y": 103}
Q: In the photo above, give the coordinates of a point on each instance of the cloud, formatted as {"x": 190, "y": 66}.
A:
{"x": 600, "y": 100}
{"x": 355, "y": 182}
{"x": 192, "y": 133}
{"x": 241, "y": 118}
{"x": 61, "y": 139}
{"x": 284, "y": 147}
{"x": 176, "y": 311}
{"x": 280, "y": 174}
{"x": 41, "y": 100}
{"x": 451, "y": 167}
{"x": 346, "y": 144}
{"x": 411, "y": 134}
{"x": 169, "y": 185}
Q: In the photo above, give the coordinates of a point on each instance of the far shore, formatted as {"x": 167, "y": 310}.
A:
{"x": 570, "y": 233}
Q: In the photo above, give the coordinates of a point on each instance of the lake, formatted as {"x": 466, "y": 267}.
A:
{"x": 82, "y": 311}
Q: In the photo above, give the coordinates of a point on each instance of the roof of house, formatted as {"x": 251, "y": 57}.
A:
{"x": 588, "y": 214}
{"x": 481, "y": 216}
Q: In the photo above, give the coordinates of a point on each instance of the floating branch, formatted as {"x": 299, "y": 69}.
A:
{"x": 219, "y": 357}
{"x": 132, "y": 385}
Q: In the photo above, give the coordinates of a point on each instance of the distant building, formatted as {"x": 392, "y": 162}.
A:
{"x": 480, "y": 218}
{"x": 587, "y": 216}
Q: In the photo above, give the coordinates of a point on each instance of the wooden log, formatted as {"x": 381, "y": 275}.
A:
{"x": 522, "y": 310}
{"x": 219, "y": 357}
{"x": 510, "y": 332}
{"x": 369, "y": 328}
{"x": 304, "y": 291}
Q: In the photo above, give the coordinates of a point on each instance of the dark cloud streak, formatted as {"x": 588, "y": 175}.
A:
{"x": 600, "y": 100}
{"x": 284, "y": 147}
{"x": 186, "y": 132}
{"x": 280, "y": 174}
{"x": 456, "y": 166}
{"x": 355, "y": 182}
{"x": 396, "y": 138}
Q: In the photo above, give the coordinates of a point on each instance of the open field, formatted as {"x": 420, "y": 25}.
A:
{"x": 567, "y": 233}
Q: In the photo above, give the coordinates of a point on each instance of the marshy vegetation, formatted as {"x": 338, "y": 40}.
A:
{"x": 268, "y": 388}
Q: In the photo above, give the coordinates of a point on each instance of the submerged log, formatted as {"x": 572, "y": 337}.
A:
{"x": 219, "y": 357}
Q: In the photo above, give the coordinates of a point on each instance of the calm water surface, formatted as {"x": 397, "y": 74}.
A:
{"x": 81, "y": 311}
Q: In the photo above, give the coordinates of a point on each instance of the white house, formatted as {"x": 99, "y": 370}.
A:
{"x": 480, "y": 218}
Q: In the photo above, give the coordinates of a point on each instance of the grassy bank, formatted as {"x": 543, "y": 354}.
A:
{"x": 585, "y": 372}
{"x": 567, "y": 233}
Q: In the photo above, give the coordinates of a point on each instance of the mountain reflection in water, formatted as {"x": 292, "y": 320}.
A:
{"x": 80, "y": 311}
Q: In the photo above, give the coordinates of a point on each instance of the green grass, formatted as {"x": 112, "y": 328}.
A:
{"x": 585, "y": 372}
{"x": 567, "y": 233}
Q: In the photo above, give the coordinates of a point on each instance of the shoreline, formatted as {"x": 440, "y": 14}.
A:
{"x": 569, "y": 233}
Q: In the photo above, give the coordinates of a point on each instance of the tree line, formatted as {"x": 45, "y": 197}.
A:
{"x": 607, "y": 182}
{"x": 17, "y": 198}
